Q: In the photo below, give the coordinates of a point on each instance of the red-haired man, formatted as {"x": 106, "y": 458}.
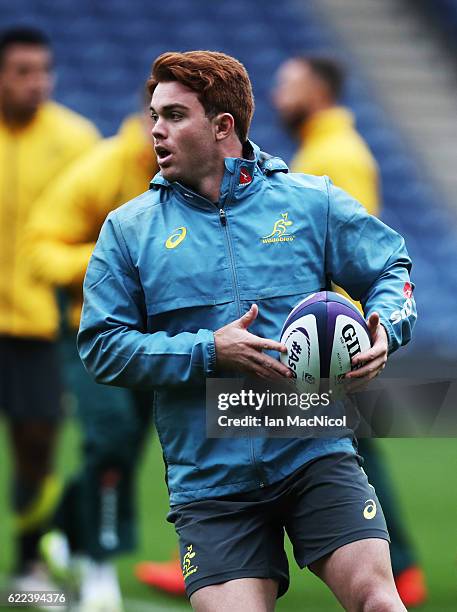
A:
{"x": 182, "y": 287}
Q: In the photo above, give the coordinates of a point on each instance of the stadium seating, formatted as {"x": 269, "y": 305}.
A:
{"x": 443, "y": 13}
{"x": 104, "y": 51}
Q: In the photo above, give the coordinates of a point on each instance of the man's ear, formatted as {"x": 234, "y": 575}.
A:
{"x": 224, "y": 126}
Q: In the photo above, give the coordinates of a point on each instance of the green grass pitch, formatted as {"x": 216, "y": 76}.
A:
{"x": 425, "y": 476}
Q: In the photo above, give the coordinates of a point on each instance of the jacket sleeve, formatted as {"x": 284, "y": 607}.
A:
{"x": 370, "y": 261}
{"x": 113, "y": 342}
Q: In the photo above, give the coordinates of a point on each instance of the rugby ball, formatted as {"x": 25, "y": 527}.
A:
{"x": 322, "y": 334}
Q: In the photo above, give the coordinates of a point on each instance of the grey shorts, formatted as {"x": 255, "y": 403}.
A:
{"x": 322, "y": 506}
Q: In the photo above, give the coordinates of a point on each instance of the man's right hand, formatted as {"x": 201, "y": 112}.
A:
{"x": 238, "y": 349}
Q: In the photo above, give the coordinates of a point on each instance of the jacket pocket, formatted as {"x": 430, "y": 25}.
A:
{"x": 190, "y": 313}
{"x": 180, "y": 302}
{"x": 275, "y": 304}
{"x": 282, "y": 289}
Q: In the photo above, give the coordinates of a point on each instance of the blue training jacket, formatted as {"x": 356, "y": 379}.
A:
{"x": 170, "y": 267}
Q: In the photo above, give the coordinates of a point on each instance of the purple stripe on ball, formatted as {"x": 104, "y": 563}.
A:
{"x": 336, "y": 308}
{"x": 300, "y": 309}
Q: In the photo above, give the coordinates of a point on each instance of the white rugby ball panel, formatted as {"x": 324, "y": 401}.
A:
{"x": 349, "y": 339}
{"x": 303, "y": 352}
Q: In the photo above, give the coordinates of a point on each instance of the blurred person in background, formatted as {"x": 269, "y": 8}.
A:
{"x": 38, "y": 139}
{"x": 96, "y": 519}
{"x": 307, "y": 97}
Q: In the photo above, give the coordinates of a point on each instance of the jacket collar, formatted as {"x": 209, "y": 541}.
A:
{"x": 240, "y": 177}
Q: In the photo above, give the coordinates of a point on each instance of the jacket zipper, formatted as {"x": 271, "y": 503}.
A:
{"x": 254, "y": 461}
{"x": 224, "y": 223}
{"x": 223, "y": 220}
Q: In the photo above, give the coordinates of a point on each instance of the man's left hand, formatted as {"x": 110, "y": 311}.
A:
{"x": 372, "y": 361}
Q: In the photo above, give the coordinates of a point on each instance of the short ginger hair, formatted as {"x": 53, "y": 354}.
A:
{"x": 221, "y": 82}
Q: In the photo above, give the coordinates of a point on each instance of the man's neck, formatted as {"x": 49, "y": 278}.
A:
{"x": 15, "y": 120}
{"x": 318, "y": 109}
{"x": 210, "y": 186}
{"x": 310, "y": 120}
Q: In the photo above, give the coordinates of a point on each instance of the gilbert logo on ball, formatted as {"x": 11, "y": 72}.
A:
{"x": 322, "y": 335}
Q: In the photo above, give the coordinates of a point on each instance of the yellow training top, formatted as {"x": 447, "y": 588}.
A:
{"x": 31, "y": 157}
{"x": 68, "y": 217}
{"x": 331, "y": 146}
